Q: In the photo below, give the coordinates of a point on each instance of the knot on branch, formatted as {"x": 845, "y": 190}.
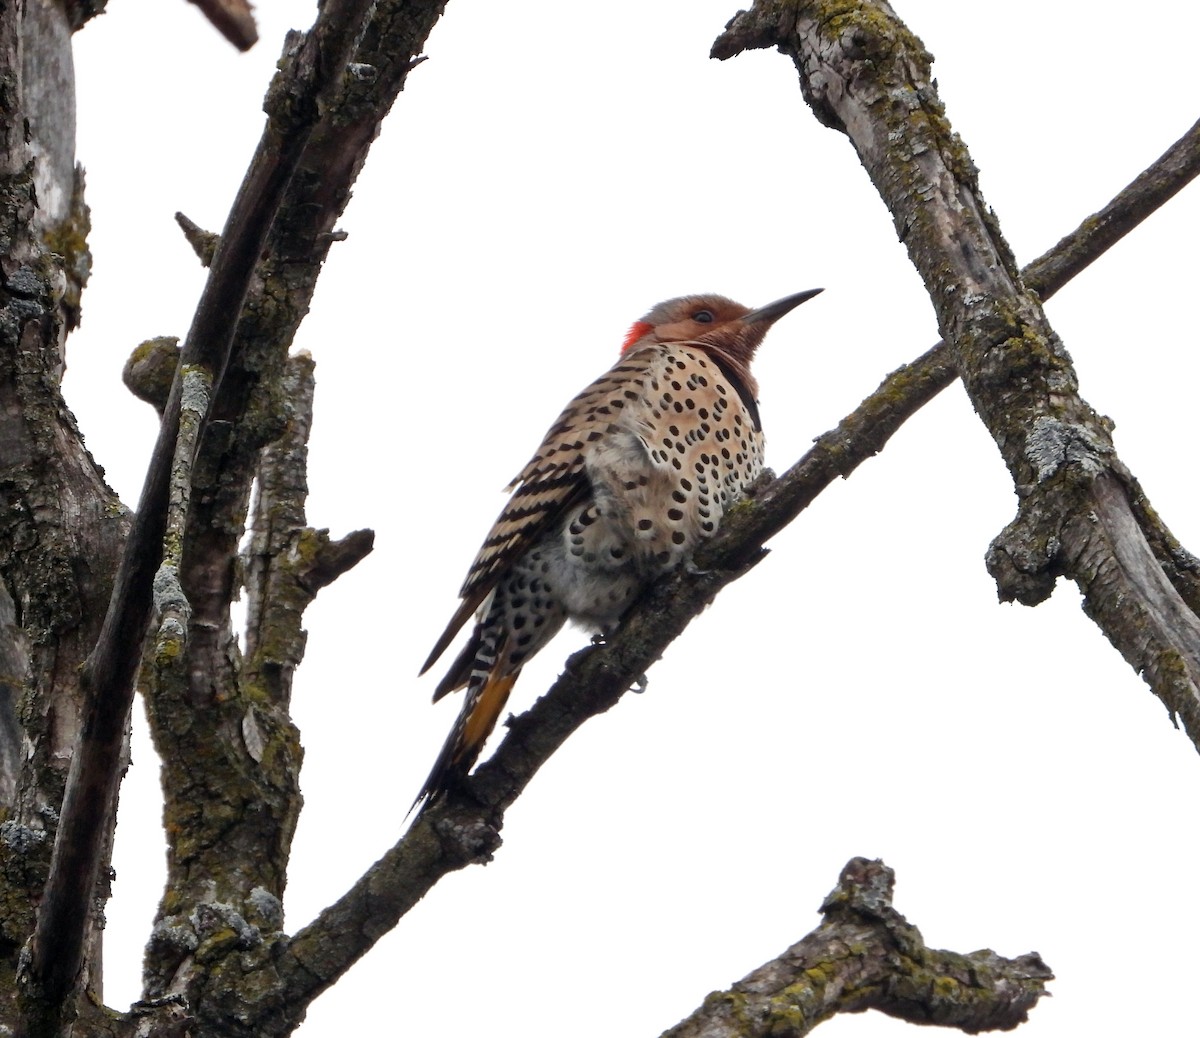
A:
{"x": 150, "y": 370}
{"x": 764, "y": 25}
{"x": 465, "y": 837}
{"x": 1025, "y": 559}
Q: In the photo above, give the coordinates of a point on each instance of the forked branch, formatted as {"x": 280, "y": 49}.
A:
{"x": 866, "y": 955}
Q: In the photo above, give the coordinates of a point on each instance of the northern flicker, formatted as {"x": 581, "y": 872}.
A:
{"x": 636, "y": 472}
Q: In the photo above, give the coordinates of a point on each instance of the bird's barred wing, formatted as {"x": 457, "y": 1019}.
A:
{"x": 554, "y": 480}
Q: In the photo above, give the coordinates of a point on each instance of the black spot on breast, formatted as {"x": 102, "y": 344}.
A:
{"x": 674, "y": 514}
{"x": 645, "y": 524}
{"x": 678, "y": 537}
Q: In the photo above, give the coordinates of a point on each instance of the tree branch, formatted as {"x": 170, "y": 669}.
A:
{"x": 865, "y": 955}
{"x": 864, "y": 73}
{"x": 312, "y": 65}
{"x": 232, "y": 755}
{"x": 464, "y": 828}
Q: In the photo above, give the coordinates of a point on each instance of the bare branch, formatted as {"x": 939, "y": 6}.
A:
{"x": 865, "y": 955}
{"x": 287, "y": 562}
{"x": 465, "y": 829}
{"x": 864, "y": 73}
{"x": 237, "y": 756}
{"x": 1167, "y": 176}
{"x": 311, "y": 66}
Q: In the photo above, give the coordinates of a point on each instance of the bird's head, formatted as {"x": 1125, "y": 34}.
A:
{"x": 713, "y": 323}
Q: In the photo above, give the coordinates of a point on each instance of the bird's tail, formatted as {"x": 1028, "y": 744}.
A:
{"x": 484, "y": 702}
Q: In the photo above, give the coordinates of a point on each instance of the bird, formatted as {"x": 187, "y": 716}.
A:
{"x": 630, "y": 479}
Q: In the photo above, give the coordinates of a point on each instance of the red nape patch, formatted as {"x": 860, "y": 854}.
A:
{"x": 639, "y": 329}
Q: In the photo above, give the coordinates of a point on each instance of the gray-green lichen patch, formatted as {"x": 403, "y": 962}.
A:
{"x": 1051, "y": 444}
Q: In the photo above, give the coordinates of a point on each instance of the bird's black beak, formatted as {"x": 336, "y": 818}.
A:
{"x": 774, "y": 311}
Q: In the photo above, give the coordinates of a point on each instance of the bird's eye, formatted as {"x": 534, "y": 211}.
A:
{"x": 703, "y": 316}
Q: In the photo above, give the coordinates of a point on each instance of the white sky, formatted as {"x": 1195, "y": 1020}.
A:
{"x": 549, "y": 174}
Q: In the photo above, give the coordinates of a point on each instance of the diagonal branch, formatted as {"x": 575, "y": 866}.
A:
{"x": 457, "y": 832}
{"x": 866, "y": 955}
{"x": 311, "y": 66}
{"x": 1080, "y": 512}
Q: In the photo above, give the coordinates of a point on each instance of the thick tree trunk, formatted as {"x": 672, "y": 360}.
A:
{"x": 60, "y": 527}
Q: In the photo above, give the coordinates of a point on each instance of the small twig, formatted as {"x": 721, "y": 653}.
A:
{"x": 204, "y": 243}
{"x": 866, "y": 955}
